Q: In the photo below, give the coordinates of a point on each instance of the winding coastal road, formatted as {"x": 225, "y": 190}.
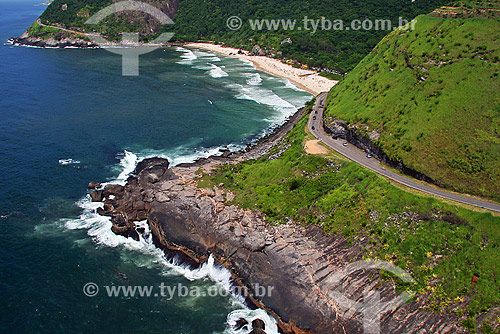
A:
{"x": 315, "y": 126}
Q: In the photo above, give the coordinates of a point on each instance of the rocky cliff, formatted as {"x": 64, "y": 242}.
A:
{"x": 338, "y": 128}
{"x": 304, "y": 266}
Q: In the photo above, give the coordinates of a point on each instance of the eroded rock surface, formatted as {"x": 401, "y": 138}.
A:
{"x": 298, "y": 265}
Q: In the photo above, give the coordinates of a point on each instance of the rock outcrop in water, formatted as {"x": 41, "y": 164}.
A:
{"x": 66, "y": 42}
{"x": 298, "y": 265}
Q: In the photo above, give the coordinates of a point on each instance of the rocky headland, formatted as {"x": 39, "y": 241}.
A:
{"x": 66, "y": 42}
{"x": 300, "y": 263}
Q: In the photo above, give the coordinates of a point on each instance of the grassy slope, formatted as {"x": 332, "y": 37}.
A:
{"x": 442, "y": 246}
{"x": 434, "y": 96}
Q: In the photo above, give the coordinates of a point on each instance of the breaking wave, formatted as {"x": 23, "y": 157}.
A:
{"x": 99, "y": 229}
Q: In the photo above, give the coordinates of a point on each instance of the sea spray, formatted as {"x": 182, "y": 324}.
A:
{"x": 99, "y": 229}
{"x": 217, "y": 72}
{"x": 187, "y": 57}
{"x": 254, "y": 79}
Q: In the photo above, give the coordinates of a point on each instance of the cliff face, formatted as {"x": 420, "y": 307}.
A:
{"x": 339, "y": 129}
{"x": 302, "y": 265}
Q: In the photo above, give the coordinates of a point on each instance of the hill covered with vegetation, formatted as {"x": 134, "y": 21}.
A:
{"x": 442, "y": 246}
{"x": 206, "y": 20}
{"x": 433, "y": 97}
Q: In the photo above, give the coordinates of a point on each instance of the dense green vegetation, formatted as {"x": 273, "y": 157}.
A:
{"x": 76, "y": 13}
{"x": 50, "y": 32}
{"x": 441, "y": 245}
{"x": 433, "y": 95}
{"x": 339, "y": 50}
{"x": 206, "y": 20}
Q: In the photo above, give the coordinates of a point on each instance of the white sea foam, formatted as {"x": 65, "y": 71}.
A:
{"x": 203, "y": 66}
{"x": 187, "y": 57}
{"x": 68, "y": 162}
{"x": 99, "y": 229}
{"x": 185, "y": 154}
{"x": 291, "y": 85}
{"x": 249, "y": 316}
{"x": 254, "y": 79}
{"x": 214, "y": 58}
{"x": 217, "y": 72}
{"x": 246, "y": 62}
{"x": 265, "y": 96}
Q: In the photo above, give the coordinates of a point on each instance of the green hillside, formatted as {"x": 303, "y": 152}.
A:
{"x": 433, "y": 95}
{"x": 441, "y": 245}
{"x": 206, "y": 20}
{"x": 339, "y": 50}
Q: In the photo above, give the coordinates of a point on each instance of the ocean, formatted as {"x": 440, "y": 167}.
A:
{"x": 68, "y": 117}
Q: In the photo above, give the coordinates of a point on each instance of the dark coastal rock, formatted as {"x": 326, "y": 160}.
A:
{"x": 94, "y": 185}
{"x": 240, "y": 324}
{"x": 124, "y": 227}
{"x": 53, "y": 43}
{"x": 113, "y": 189}
{"x": 97, "y": 195}
{"x": 126, "y": 231}
{"x": 257, "y": 331}
{"x": 101, "y": 211}
{"x": 294, "y": 264}
{"x": 151, "y": 162}
{"x": 258, "y": 323}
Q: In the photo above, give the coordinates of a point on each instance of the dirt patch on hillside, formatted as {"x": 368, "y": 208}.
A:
{"x": 313, "y": 147}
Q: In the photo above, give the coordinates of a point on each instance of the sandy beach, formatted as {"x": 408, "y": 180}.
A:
{"x": 308, "y": 80}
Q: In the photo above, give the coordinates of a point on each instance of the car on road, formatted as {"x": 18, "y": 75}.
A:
{"x": 315, "y": 111}
{"x": 314, "y": 117}
{"x": 313, "y": 127}
{"x": 369, "y": 156}
{"x": 344, "y": 144}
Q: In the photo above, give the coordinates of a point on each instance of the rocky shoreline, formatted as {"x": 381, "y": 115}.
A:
{"x": 62, "y": 43}
{"x": 300, "y": 263}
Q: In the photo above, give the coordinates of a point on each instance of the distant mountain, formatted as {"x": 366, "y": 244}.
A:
{"x": 430, "y": 98}
{"x": 196, "y": 20}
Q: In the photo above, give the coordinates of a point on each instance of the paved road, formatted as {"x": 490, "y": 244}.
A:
{"x": 315, "y": 126}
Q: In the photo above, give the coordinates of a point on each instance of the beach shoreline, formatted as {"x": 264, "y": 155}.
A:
{"x": 305, "y": 79}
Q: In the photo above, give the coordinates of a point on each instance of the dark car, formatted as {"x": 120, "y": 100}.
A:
{"x": 314, "y": 117}
{"x": 313, "y": 127}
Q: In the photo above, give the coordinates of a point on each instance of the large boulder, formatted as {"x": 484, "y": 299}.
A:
{"x": 113, "y": 189}
{"x": 257, "y": 51}
{"x": 150, "y": 163}
{"x": 254, "y": 241}
{"x": 96, "y": 196}
{"x": 240, "y": 324}
{"x": 257, "y": 331}
{"x": 94, "y": 185}
{"x": 258, "y": 323}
